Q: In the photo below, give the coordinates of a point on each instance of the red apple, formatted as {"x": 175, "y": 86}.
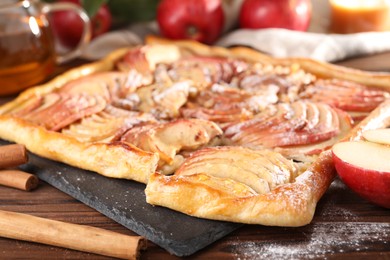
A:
{"x": 68, "y": 26}
{"x": 288, "y": 14}
{"x": 200, "y": 20}
{"x": 380, "y": 136}
{"x": 365, "y": 168}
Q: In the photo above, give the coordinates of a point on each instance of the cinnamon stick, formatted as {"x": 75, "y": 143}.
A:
{"x": 12, "y": 155}
{"x": 18, "y": 179}
{"x": 73, "y": 236}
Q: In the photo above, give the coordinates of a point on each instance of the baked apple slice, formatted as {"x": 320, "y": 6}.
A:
{"x": 167, "y": 139}
{"x": 106, "y": 126}
{"x": 260, "y": 170}
{"x": 26, "y": 106}
{"x": 222, "y": 117}
{"x": 164, "y": 100}
{"x": 223, "y": 104}
{"x": 300, "y": 124}
{"x": 110, "y": 85}
{"x": 285, "y": 81}
{"x": 223, "y": 97}
{"x": 365, "y": 168}
{"x": 58, "y": 110}
{"x": 144, "y": 60}
{"x": 355, "y": 98}
{"x": 308, "y": 152}
{"x": 206, "y": 70}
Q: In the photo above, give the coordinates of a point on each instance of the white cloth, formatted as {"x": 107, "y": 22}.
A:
{"x": 324, "y": 47}
{"x": 315, "y": 43}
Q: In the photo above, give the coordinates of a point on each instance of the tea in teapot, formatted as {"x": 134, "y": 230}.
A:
{"x": 27, "y": 46}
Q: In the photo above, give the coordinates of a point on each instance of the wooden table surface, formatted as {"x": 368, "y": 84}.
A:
{"x": 344, "y": 226}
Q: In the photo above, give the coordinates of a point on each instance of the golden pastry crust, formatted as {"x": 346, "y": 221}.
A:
{"x": 116, "y": 160}
{"x": 146, "y": 111}
{"x": 290, "y": 204}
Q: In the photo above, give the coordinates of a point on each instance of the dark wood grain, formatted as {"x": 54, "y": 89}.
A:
{"x": 344, "y": 226}
{"x": 375, "y": 62}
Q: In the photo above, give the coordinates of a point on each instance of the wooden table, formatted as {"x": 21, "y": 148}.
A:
{"x": 344, "y": 227}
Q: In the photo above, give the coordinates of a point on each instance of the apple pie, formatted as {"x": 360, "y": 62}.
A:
{"x": 226, "y": 134}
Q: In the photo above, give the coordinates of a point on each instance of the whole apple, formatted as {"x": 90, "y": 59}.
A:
{"x": 200, "y": 20}
{"x": 287, "y": 14}
{"x": 68, "y": 26}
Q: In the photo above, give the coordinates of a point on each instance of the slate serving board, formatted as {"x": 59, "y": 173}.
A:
{"x": 124, "y": 202}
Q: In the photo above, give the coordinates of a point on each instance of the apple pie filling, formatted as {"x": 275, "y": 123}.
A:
{"x": 174, "y": 103}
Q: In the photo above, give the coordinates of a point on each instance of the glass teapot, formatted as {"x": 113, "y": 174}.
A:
{"x": 28, "y": 52}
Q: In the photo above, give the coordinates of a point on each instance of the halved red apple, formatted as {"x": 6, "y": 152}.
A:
{"x": 365, "y": 168}
{"x": 380, "y": 136}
